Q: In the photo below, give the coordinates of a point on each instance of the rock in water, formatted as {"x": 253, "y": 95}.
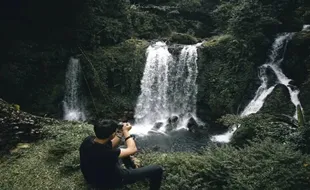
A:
{"x": 173, "y": 119}
{"x": 172, "y": 123}
{"x": 192, "y": 125}
{"x": 157, "y": 126}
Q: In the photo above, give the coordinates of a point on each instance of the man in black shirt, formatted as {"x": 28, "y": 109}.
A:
{"x": 99, "y": 158}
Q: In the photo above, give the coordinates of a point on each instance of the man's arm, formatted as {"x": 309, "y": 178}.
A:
{"x": 117, "y": 139}
{"x": 131, "y": 145}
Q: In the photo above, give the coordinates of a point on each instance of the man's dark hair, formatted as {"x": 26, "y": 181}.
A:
{"x": 104, "y": 128}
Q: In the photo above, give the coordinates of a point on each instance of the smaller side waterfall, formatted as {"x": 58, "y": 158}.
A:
{"x": 261, "y": 94}
{"x": 73, "y": 107}
{"x": 274, "y": 62}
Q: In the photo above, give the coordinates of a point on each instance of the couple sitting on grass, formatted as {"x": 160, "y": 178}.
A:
{"x": 100, "y": 158}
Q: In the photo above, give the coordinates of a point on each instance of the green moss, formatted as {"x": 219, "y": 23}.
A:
{"x": 216, "y": 40}
{"x": 258, "y": 127}
{"x": 279, "y": 102}
{"x": 226, "y": 74}
{"x": 118, "y": 71}
{"x": 17, "y": 107}
{"x": 182, "y": 38}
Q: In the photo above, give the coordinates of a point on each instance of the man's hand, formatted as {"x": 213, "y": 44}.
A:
{"x": 117, "y": 139}
{"x": 136, "y": 161}
{"x": 127, "y": 127}
{"x": 119, "y": 133}
{"x": 131, "y": 145}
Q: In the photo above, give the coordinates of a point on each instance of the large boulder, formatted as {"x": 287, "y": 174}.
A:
{"x": 227, "y": 76}
{"x": 297, "y": 58}
{"x": 279, "y": 102}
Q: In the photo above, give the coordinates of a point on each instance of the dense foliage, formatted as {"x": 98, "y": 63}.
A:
{"x": 34, "y": 66}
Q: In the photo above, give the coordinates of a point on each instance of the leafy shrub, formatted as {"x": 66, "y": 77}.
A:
{"x": 266, "y": 165}
{"x": 302, "y": 139}
{"x": 258, "y": 127}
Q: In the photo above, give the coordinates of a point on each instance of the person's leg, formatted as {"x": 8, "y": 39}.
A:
{"x": 129, "y": 163}
{"x": 153, "y": 173}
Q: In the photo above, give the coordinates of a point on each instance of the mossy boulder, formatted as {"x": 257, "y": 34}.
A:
{"x": 258, "y": 127}
{"x": 226, "y": 75}
{"x": 217, "y": 40}
{"x": 279, "y": 102}
{"x": 180, "y": 38}
{"x": 115, "y": 83}
{"x": 296, "y": 62}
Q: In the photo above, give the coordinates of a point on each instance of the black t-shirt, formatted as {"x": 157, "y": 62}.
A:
{"x": 99, "y": 163}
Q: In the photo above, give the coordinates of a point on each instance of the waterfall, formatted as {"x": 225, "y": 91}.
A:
{"x": 168, "y": 88}
{"x": 73, "y": 107}
{"x": 261, "y": 94}
{"x": 274, "y": 62}
{"x": 183, "y": 86}
{"x": 153, "y": 101}
{"x": 306, "y": 28}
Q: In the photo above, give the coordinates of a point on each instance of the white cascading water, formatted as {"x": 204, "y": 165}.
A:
{"x": 306, "y": 28}
{"x": 73, "y": 107}
{"x": 168, "y": 88}
{"x": 274, "y": 62}
{"x": 182, "y": 84}
{"x": 152, "y": 103}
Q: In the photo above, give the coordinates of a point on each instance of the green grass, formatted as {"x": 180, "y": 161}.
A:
{"x": 53, "y": 163}
{"x": 36, "y": 167}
